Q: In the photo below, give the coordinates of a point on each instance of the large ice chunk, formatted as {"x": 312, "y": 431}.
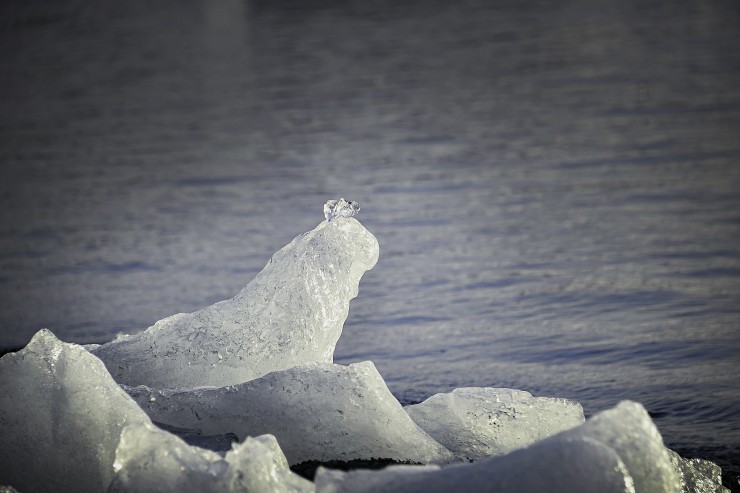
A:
{"x": 61, "y": 416}
{"x": 290, "y": 314}
{"x": 151, "y": 460}
{"x": 568, "y": 466}
{"x": 618, "y": 450}
{"x": 475, "y": 423}
{"x": 317, "y": 411}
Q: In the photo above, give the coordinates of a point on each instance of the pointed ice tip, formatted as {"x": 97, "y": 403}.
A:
{"x": 340, "y": 208}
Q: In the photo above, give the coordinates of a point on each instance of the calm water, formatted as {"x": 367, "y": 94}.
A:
{"x": 555, "y": 186}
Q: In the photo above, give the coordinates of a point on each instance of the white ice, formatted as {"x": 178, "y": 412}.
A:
{"x": 618, "y": 450}
{"x": 475, "y": 423}
{"x": 66, "y": 425}
{"x": 318, "y": 411}
{"x": 340, "y": 208}
{"x": 292, "y": 313}
{"x": 154, "y": 461}
{"x": 61, "y": 416}
{"x": 697, "y": 475}
{"x": 570, "y": 466}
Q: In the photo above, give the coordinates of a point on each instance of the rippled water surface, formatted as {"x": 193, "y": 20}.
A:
{"x": 555, "y": 186}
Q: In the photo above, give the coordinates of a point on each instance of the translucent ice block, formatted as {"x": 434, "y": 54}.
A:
{"x": 697, "y": 475}
{"x": 618, "y": 450}
{"x": 571, "y": 466}
{"x": 61, "y": 416}
{"x": 292, "y": 313}
{"x": 154, "y": 461}
{"x": 317, "y": 411}
{"x": 475, "y": 423}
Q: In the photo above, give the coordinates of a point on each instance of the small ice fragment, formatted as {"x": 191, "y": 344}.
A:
{"x": 479, "y": 422}
{"x": 697, "y": 475}
{"x": 152, "y": 460}
{"x": 340, "y": 208}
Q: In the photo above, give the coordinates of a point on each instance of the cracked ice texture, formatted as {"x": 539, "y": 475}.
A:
{"x": 317, "y": 411}
{"x": 697, "y": 475}
{"x": 475, "y": 423}
{"x": 340, "y": 208}
{"x": 618, "y": 450}
{"x": 151, "y": 460}
{"x": 61, "y": 417}
{"x": 292, "y": 313}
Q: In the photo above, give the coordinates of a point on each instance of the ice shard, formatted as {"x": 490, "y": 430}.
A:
{"x": 475, "y": 423}
{"x": 697, "y": 475}
{"x": 317, "y": 411}
{"x": 340, "y": 208}
{"x": 292, "y": 313}
{"x": 151, "y": 460}
{"x": 628, "y": 429}
{"x": 61, "y": 417}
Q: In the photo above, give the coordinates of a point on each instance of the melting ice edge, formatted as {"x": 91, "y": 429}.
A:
{"x": 259, "y": 366}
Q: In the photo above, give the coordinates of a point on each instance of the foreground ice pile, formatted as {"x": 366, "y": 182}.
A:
{"x": 290, "y": 314}
{"x": 65, "y": 425}
{"x": 259, "y": 368}
{"x": 619, "y": 450}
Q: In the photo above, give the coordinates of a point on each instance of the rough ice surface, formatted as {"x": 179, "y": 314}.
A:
{"x": 618, "y": 450}
{"x": 340, "y": 208}
{"x": 628, "y": 429}
{"x": 697, "y": 475}
{"x": 568, "y": 466}
{"x": 153, "y": 461}
{"x": 61, "y": 416}
{"x": 317, "y": 411}
{"x": 290, "y": 314}
{"x": 475, "y": 423}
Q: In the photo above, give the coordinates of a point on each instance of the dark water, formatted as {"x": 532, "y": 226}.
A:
{"x": 555, "y": 185}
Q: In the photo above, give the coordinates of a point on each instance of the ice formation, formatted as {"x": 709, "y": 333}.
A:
{"x": 151, "y": 460}
{"x": 318, "y": 411}
{"x": 569, "y": 466}
{"x": 290, "y": 314}
{"x": 340, "y": 208}
{"x": 475, "y": 423}
{"x": 61, "y": 416}
{"x": 618, "y": 450}
{"x": 259, "y": 365}
{"x": 629, "y": 430}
